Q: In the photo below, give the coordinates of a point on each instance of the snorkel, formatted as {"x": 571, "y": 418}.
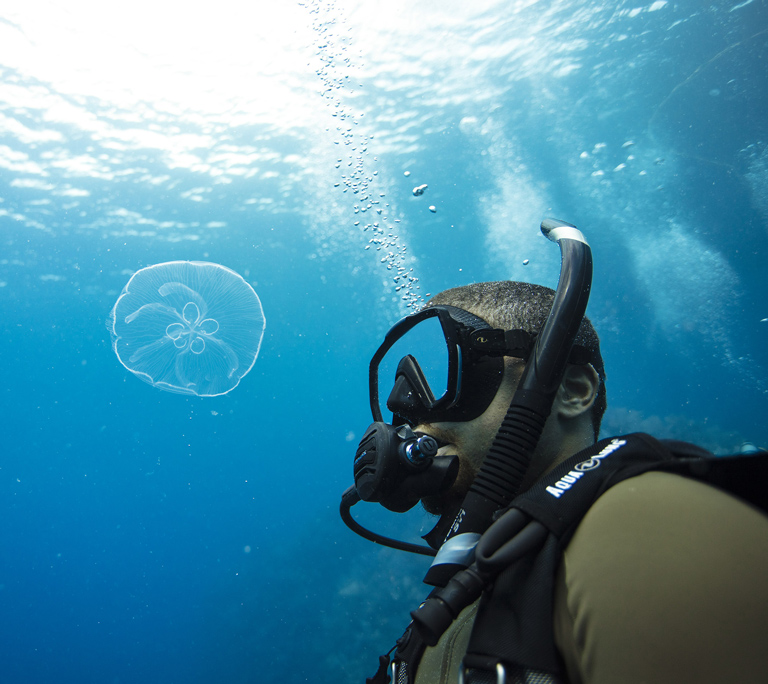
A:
{"x": 396, "y": 467}
{"x": 504, "y": 467}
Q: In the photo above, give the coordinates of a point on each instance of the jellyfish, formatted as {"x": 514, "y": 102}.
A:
{"x": 189, "y": 327}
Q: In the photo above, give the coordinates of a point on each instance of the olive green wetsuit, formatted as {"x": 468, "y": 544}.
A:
{"x": 665, "y": 580}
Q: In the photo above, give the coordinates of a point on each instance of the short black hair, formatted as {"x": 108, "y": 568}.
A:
{"x": 512, "y": 305}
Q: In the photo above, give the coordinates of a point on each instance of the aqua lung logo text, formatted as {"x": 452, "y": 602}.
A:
{"x": 567, "y": 481}
{"x": 456, "y": 524}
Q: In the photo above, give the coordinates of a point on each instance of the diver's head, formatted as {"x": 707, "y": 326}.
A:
{"x": 456, "y": 366}
{"x": 511, "y": 305}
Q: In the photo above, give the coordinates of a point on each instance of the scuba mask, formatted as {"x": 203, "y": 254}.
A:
{"x": 437, "y": 367}
{"x": 446, "y": 365}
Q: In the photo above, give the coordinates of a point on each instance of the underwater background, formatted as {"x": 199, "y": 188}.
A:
{"x": 148, "y": 536}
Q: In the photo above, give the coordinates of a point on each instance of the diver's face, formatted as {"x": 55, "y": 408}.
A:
{"x": 471, "y": 440}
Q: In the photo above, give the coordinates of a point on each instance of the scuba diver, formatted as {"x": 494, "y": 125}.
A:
{"x": 557, "y": 557}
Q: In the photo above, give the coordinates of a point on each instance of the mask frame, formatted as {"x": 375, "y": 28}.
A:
{"x": 475, "y": 368}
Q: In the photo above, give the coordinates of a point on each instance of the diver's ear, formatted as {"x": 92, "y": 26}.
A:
{"x": 577, "y": 391}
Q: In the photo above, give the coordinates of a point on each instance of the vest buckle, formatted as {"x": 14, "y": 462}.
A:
{"x": 501, "y": 674}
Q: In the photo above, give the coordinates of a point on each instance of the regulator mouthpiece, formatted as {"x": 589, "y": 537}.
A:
{"x": 418, "y": 452}
{"x": 396, "y": 467}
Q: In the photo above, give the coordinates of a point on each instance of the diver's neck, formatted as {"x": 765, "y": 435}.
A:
{"x": 550, "y": 453}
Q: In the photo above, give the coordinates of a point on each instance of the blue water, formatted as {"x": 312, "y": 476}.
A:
{"x": 157, "y": 537}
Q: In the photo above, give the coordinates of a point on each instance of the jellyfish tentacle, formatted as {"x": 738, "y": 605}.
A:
{"x": 185, "y": 292}
{"x": 181, "y": 374}
{"x": 148, "y": 349}
{"x": 147, "y": 308}
{"x": 233, "y": 363}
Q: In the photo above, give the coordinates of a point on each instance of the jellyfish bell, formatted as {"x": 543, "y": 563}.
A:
{"x": 189, "y": 327}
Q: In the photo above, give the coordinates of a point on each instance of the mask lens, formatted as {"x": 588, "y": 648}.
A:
{"x": 425, "y": 342}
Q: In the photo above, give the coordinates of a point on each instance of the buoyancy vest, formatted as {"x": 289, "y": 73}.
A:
{"x": 512, "y": 639}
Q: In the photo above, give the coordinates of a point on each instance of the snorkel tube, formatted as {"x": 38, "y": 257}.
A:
{"x": 504, "y": 467}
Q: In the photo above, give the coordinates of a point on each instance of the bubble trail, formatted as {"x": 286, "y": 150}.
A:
{"x": 359, "y": 178}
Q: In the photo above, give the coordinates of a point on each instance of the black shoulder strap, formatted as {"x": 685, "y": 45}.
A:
{"x": 743, "y": 475}
{"x": 514, "y": 621}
